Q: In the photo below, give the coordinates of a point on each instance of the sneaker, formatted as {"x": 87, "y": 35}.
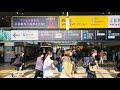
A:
{"x": 12, "y": 75}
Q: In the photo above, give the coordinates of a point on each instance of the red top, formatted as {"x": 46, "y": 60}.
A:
{"x": 60, "y": 58}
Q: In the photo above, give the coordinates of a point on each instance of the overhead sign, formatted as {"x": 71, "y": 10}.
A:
{"x": 24, "y": 34}
{"x": 34, "y": 22}
{"x": 73, "y": 35}
{"x": 59, "y": 35}
{"x": 113, "y": 34}
{"x": 101, "y": 34}
{"x": 88, "y": 35}
{"x": 45, "y": 35}
{"x": 84, "y": 35}
{"x": 84, "y": 22}
{"x": 114, "y": 21}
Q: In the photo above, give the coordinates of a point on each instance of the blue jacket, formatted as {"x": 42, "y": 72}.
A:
{"x": 74, "y": 56}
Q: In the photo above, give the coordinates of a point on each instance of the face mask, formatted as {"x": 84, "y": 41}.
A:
{"x": 50, "y": 56}
{"x": 70, "y": 53}
{"x": 42, "y": 56}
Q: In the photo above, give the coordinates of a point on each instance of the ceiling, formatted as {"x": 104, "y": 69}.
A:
{"x": 5, "y": 17}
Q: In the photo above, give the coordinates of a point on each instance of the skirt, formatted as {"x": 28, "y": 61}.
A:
{"x": 48, "y": 73}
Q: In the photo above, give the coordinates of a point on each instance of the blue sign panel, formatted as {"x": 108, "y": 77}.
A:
{"x": 88, "y": 35}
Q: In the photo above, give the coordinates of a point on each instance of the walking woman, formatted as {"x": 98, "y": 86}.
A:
{"x": 39, "y": 66}
{"x": 48, "y": 66}
{"x": 18, "y": 63}
{"x": 67, "y": 65}
{"x": 101, "y": 57}
{"x": 92, "y": 62}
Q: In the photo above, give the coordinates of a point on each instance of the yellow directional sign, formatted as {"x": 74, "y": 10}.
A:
{"x": 84, "y": 22}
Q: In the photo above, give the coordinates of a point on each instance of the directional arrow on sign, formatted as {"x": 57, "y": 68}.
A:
{"x": 15, "y": 35}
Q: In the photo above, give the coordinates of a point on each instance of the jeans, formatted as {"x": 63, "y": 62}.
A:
{"x": 60, "y": 66}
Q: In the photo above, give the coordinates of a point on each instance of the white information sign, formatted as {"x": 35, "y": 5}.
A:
{"x": 24, "y": 34}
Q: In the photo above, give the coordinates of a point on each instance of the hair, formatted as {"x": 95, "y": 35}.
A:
{"x": 48, "y": 53}
{"x": 67, "y": 52}
{"x": 104, "y": 53}
{"x": 93, "y": 51}
{"x": 40, "y": 53}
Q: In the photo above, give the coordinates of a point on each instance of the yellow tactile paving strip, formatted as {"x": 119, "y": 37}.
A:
{"x": 12, "y": 68}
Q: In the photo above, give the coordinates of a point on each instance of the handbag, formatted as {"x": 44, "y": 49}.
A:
{"x": 94, "y": 68}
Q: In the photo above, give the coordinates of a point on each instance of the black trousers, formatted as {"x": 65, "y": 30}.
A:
{"x": 75, "y": 67}
{"x": 38, "y": 73}
{"x": 12, "y": 60}
{"x": 118, "y": 64}
{"x": 90, "y": 75}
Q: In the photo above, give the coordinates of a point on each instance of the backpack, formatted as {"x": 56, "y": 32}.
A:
{"x": 85, "y": 61}
{"x": 18, "y": 61}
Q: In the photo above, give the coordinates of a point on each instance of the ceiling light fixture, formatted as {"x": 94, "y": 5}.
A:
{"x": 108, "y": 12}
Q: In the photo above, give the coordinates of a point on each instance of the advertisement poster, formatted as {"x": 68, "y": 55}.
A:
{"x": 114, "y": 21}
{"x": 34, "y": 22}
{"x": 5, "y": 35}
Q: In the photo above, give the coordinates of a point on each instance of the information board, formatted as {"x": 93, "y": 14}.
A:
{"x": 101, "y": 34}
{"x": 59, "y": 35}
{"x": 24, "y": 35}
{"x": 73, "y": 35}
{"x": 66, "y": 36}
{"x": 90, "y": 21}
{"x": 45, "y": 35}
{"x": 88, "y": 35}
{"x": 113, "y": 34}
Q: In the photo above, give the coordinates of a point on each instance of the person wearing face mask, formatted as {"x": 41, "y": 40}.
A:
{"x": 67, "y": 65}
{"x": 39, "y": 66}
{"x": 92, "y": 62}
{"x": 48, "y": 66}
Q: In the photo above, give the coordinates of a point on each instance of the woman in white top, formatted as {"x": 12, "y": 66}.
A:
{"x": 48, "y": 66}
